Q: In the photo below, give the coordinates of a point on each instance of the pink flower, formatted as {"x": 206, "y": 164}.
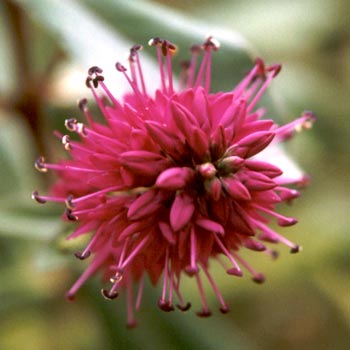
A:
{"x": 172, "y": 180}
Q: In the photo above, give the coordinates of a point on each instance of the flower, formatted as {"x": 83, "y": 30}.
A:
{"x": 172, "y": 180}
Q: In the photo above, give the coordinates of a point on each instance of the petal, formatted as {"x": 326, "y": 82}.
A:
{"x": 174, "y": 178}
{"x": 181, "y": 211}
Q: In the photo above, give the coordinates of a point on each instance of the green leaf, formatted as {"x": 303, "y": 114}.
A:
{"x": 90, "y": 40}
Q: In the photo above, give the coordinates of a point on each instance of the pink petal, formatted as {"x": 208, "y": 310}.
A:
{"x": 181, "y": 211}
{"x": 174, "y": 178}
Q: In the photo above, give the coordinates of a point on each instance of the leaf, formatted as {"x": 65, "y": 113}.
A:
{"x": 90, "y": 40}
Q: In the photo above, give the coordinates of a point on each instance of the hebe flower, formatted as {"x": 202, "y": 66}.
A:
{"x": 172, "y": 180}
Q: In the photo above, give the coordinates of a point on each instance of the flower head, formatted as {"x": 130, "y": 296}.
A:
{"x": 172, "y": 180}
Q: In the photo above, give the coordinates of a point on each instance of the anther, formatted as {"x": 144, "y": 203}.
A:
{"x": 120, "y": 67}
{"x": 69, "y": 202}
{"x": 234, "y": 272}
{"x": 116, "y": 278}
{"x": 81, "y": 129}
{"x": 259, "y": 278}
{"x": 275, "y": 68}
{"x": 88, "y": 82}
{"x": 37, "y": 198}
{"x": 195, "y": 49}
{"x": 70, "y": 216}
{"x": 155, "y": 41}
{"x": 191, "y": 270}
{"x": 82, "y": 256}
{"x": 224, "y": 309}
{"x": 296, "y": 249}
{"x": 168, "y": 47}
{"x": 185, "y": 64}
{"x": 82, "y": 104}
{"x": 95, "y": 70}
{"x": 212, "y": 43}
{"x": 261, "y": 66}
{"x": 204, "y": 313}
{"x": 133, "y": 52}
{"x": 165, "y": 305}
{"x": 97, "y": 80}
{"x": 108, "y": 295}
{"x": 40, "y": 165}
{"x": 66, "y": 142}
{"x": 184, "y": 308}
{"x": 70, "y": 124}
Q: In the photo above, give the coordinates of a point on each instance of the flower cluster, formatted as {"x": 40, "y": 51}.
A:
{"x": 172, "y": 180}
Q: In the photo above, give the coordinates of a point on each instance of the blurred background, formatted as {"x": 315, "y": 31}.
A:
{"x": 46, "y": 47}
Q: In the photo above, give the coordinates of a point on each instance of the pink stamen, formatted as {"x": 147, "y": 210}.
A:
{"x": 95, "y": 194}
{"x": 236, "y": 270}
{"x": 92, "y": 268}
{"x": 257, "y": 276}
{"x": 140, "y": 293}
{"x": 192, "y": 269}
{"x": 224, "y": 306}
{"x": 261, "y": 91}
{"x": 135, "y": 252}
{"x": 131, "y": 321}
{"x": 205, "y": 309}
{"x": 165, "y": 278}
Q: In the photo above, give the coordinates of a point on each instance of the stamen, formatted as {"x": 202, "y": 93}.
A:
{"x": 37, "y": 198}
{"x": 205, "y": 312}
{"x": 281, "y": 219}
{"x": 182, "y": 306}
{"x": 236, "y": 270}
{"x": 66, "y": 142}
{"x": 109, "y": 295}
{"x": 158, "y": 43}
{"x": 262, "y": 89}
{"x": 193, "y": 268}
{"x": 131, "y": 322}
{"x": 270, "y": 235}
{"x": 257, "y": 276}
{"x": 91, "y": 269}
{"x": 140, "y": 292}
{"x": 164, "y": 304}
{"x": 70, "y": 216}
{"x": 84, "y": 255}
{"x": 94, "y": 70}
{"x": 224, "y": 307}
{"x": 135, "y": 251}
{"x": 82, "y": 104}
{"x": 40, "y": 165}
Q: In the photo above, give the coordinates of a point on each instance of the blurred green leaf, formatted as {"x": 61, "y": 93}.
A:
{"x": 90, "y": 40}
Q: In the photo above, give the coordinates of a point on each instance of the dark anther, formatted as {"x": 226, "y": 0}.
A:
{"x": 261, "y": 66}
{"x": 224, "y": 309}
{"x": 97, "y": 80}
{"x": 132, "y": 324}
{"x": 211, "y": 43}
{"x": 40, "y": 165}
{"x": 185, "y": 64}
{"x": 204, "y": 313}
{"x": 259, "y": 278}
{"x": 70, "y": 124}
{"x": 94, "y": 70}
{"x": 184, "y": 308}
{"x": 295, "y": 249}
{"x": 235, "y": 272}
{"x": 66, "y": 142}
{"x": 275, "y": 254}
{"x": 133, "y": 52}
{"x": 70, "y": 216}
{"x": 70, "y": 296}
{"x": 191, "y": 270}
{"x": 155, "y": 41}
{"x": 82, "y": 104}
{"x": 37, "y": 198}
{"x": 165, "y": 305}
{"x": 82, "y": 256}
{"x": 88, "y": 82}
{"x": 195, "y": 49}
{"x": 69, "y": 202}
{"x": 120, "y": 67}
{"x": 108, "y": 295}
{"x": 275, "y": 68}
